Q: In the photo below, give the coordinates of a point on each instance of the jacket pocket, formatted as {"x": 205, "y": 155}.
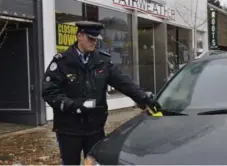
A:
{"x": 97, "y": 119}
{"x": 100, "y": 77}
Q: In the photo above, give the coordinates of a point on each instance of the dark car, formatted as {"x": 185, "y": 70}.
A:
{"x": 192, "y": 130}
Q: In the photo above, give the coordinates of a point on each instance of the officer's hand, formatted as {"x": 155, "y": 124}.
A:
{"x": 152, "y": 106}
{"x": 77, "y": 106}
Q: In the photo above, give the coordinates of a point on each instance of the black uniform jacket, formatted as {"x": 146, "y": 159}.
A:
{"x": 68, "y": 83}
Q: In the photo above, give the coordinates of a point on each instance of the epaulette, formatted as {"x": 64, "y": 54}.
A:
{"x": 104, "y": 53}
{"x": 58, "y": 56}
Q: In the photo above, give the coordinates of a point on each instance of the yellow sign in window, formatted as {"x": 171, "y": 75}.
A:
{"x": 66, "y": 36}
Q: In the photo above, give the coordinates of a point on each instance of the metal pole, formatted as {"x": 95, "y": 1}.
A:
{"x": 39, "y": 60}
{"x": 135, "y": 47}
{"x": 154, "y": 62}
{"x": 165, "y": 47}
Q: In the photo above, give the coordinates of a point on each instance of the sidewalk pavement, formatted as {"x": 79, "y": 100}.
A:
{"x": 38, "y": 146}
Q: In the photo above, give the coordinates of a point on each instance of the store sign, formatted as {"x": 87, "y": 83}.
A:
{"x": 66, "y": 36}
{"x": 213, "y": 29}
{"x": 149, "y": 7}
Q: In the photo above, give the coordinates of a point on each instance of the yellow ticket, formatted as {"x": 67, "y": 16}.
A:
{"x": 158, "y": 114}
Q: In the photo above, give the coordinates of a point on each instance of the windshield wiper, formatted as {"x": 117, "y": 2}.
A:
{"x": 172, "y": 112}
{"x": 214, "y": 112}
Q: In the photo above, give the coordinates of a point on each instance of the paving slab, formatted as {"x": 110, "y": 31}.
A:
{"x": 38, "y": 146}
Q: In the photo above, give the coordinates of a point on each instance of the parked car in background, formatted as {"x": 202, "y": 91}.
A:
{"x": 209, "y": 53}
{"x": 192, "y": 130}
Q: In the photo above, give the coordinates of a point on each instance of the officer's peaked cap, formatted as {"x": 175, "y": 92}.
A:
{"x": 92, "y": 29}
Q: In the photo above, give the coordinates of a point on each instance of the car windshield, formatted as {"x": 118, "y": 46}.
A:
{"x": 199, "y": 86}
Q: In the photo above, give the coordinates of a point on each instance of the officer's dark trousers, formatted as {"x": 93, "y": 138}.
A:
{"x": 70, "y": 146}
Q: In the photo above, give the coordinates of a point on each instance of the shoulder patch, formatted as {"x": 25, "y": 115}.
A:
{"x": 104, "y": 53}
{"x": 53, "y": 66}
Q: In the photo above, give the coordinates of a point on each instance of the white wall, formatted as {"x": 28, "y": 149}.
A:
{"x": 49, "y": 30}
{"x": 187, "y": 12}
{"x": 49, "y": 38}
{"x": 186, "y": 8}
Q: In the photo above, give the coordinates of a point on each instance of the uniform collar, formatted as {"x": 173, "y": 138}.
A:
{"x": 79, "y": 52}
{"x": 74, "y": 57}
{"x": 82, "y": 56}
{"x": 94, "y": 56}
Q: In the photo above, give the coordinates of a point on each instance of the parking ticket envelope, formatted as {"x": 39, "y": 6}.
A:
{"x": 90, "y": 103}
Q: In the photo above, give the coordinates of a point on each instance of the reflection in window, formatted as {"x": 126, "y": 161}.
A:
{"x": 117, "y": 38}
{"x": 172, "y": 49}
{"x": 199, "y": 42}
{"x": 69, "y": 7}
{"x": 180, "y": 91}
{"x": 183, "y": 45}
{"x": 195, "y": 87}
{"x": 178, "y": 48}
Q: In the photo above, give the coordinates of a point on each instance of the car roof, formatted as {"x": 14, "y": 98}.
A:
{"x": 220, "y": 55}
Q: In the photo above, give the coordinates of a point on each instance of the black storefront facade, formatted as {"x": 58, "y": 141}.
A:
{"x": 21, "y": 64}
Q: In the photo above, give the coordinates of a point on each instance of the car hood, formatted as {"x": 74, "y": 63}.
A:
{"x": 167, "y": 140}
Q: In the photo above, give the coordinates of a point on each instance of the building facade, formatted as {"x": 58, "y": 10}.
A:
{"x": 21, "y": 64}
{"x": 217, "y": 23}
{"x": 146, "y": 39}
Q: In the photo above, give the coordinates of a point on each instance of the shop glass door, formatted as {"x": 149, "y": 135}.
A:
{"x": 146, "y": 55}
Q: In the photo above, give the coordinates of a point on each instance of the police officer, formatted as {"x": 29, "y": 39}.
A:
{"x": 75, "y": 86}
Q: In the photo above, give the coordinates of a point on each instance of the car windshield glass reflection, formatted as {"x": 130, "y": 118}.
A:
{"x": 200, "y": 86}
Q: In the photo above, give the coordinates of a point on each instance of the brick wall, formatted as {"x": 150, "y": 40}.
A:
{"x": 222, "y": 29}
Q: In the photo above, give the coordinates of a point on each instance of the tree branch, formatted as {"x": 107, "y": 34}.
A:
{"x": 5, "y": 36}
{"x": 201, "y": 23}
{"x": 3, "y": 40}
{"x": 196, "y": 13}
{"x": 181, "y": 44}
{"x": 188, "y": 8}
{"x": 4, "y": 27}
{"x": 183, "y": 18}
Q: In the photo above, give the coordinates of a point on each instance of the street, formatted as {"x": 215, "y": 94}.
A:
{"x": 38, "y": 146}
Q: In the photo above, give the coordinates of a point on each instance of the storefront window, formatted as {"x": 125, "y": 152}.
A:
{"x": 117, "y": 35}
{"x": 183, "y": 45}
{"x": 147, "y": 58}
{"x": 178, "y": 48}
{"x": 117, "y": 38}
{"x": 172, "y": 49}
{"x": 200, "y": 43}
{"x": 67, "y": 13}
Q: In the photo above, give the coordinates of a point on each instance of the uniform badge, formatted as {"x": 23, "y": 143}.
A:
{"x": 72, "y": 77}
{"x": 58, "y": 56}
{"x": 62, "y": 106}
{"x": 53, "y": 66}
{"x": 48, "y": 79}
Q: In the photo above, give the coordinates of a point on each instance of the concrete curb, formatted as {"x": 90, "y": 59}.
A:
{"x": 42, "y": 128}
{"x": 25, "y": 131}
